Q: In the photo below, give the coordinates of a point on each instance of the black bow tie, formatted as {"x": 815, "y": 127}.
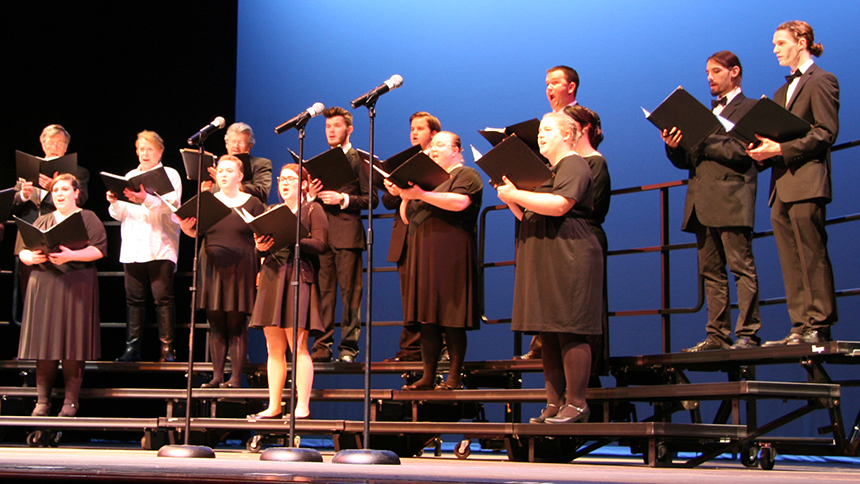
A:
{"x": 718, "y": 102}
{"x": 793, "y": 75}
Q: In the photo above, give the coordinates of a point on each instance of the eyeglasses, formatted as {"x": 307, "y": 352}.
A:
{"x": 440, "y": 145}
{"x": 288, "y": 179}
{"x": 55, "y": 143}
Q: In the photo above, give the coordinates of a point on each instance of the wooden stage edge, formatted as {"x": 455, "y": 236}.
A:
{"x": 20, "y": 464}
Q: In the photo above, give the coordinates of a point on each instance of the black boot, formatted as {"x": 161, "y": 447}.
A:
{"x": 135, "y": 316}
{"x": 164, "y": 317}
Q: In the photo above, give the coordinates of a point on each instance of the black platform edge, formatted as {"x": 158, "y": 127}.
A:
{"x": 597, "y": 430}
{"x": 700, "y": 391}
{"x": 836, "y": 351}
{"x": 81, "y": 423}
{"x": 846, "y": 352}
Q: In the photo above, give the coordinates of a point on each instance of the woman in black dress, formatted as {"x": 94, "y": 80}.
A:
{"x": 587, "y": 122}
{"x": 441, "y": 261}
{"x": 61, "y": 306}
{"x": 228, "y": 268}
{"x": 559, "y": 277}
{"x": 275, "y": 305}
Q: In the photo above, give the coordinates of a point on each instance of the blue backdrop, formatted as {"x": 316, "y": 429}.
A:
{"x": 482, "y": 63}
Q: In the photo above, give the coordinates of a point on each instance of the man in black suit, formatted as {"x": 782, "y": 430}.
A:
{"x": 800, "y": 187}
{"x": 239, "y": 140}
{"x": 30, "y": 201}
{"x": 342, "y": 264}
{"x": 720, "y": 210}
{"x": 422, "y": 127}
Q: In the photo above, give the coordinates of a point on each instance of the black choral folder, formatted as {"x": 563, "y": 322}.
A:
{"x": 419, "y": 169}
{"x": 515, "y": 160}
{"x": 331, "y": 167}
{"x": 29, "y": 167}
{"x": 71, "y": 233}
{"x": 191, "y": 160}
{"x": 527, "y": 131}
{"x": 212, "y": 211}
{"x": 769, "y": 120}
{"x": 681, "y": 110}
{"x": 278, "y": 223}
{"x": 154, "y": 181}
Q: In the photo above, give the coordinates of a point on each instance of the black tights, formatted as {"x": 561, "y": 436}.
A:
{"x": 227, "y": 327}
{"x": 566, "y": 367}
{"x": 46, "y": 373}
{"x": 431, "y": 348}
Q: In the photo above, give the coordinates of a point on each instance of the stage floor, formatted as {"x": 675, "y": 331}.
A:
{"x": 71, "y": 464}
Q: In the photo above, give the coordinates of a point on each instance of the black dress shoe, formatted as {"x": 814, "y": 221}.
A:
{"x": 791, "y": 339}
{"x": 581, "y": 415}
{"x": 210, "y": 385}
{"x": 815, "y": 336}
{"x": 743, "y": 343}
{"x": 257, "y": 416}
{"x": 346, "y": 359}
{"x": 548, "y": 412}
{"x": 706, "y": 345}
{"x": 320, "y": 358}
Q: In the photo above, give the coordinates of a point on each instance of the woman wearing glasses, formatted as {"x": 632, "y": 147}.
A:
{"x": 275, "y": 305}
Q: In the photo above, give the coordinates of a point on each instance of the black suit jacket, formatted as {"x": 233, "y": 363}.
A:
{"x": 261, "y": 182}
{"x": 722, "y": 186}
{"x": 803, "y": 170}
{"x": 345, "y": 228}
{"x": 399, "y": 229}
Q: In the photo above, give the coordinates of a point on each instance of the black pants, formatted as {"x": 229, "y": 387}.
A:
{"x": 157, "y": 275}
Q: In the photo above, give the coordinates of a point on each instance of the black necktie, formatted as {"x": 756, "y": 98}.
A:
{"x": 793, "y": 75}
{"x": 718, "y": 102}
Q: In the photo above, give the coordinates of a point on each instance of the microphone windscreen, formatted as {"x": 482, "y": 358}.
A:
{"x": 219, "y": 121}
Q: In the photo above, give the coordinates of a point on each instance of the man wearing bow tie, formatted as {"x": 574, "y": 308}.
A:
{"x": 800, "y": 187}
{"x": 720, "y": 210}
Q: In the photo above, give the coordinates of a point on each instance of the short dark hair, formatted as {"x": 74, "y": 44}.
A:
{"x": 336, "y": 111}
{"x": 587, "y": 118}
{"x": 802, "y": 30}
{"x": 432, "y": 121}
{"x": 729, "y": 60}
{"x": 570, "y": 75}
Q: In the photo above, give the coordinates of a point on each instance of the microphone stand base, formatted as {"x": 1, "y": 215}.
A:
{"x": 365, "y": 456}
{"x": 291, "y": 454}
{"x": 192, "y": 451}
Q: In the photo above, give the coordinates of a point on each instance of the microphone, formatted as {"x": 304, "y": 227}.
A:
{"x": 200, "y": 136}
{"x": 301, "y": 119}
{"x": 393, "y": 83}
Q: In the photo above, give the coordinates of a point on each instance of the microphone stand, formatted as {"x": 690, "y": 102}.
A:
{"x": 294, "y": 453}
{"x": 366, "y": 455}
{"x": 187, "y": 450}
